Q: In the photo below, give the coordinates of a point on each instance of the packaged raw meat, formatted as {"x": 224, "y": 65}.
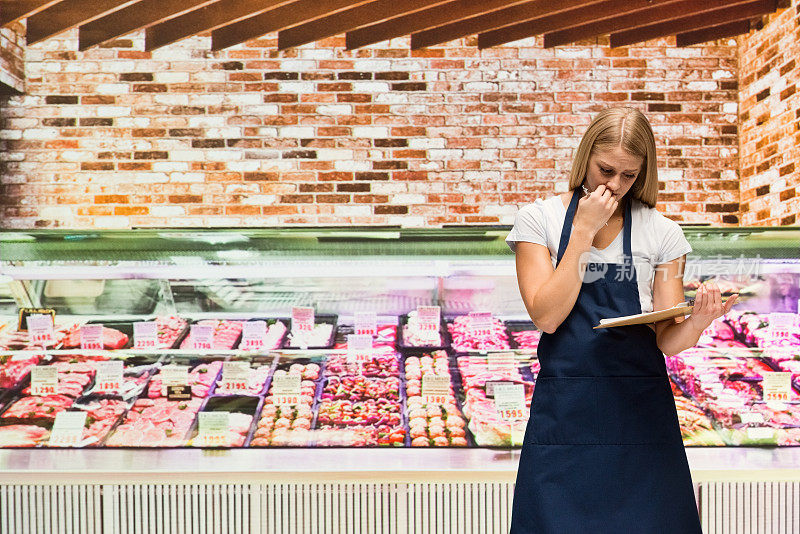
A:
{"x": 464, "y": 339}
{"x": 156, "y": 423}
{"x": 14, "y": 368}
{"x": 524, "y": 335}
{"x": 322, "y": 337}
{"x": 112, "y": 339}
{"x": 22, "y": 435}
{"x": 202, "y": 377}
{"x": 226, "y": 334}
{"x": 240, "y": 420}
{"x": 414, "y": 336}
{"x": 696, "y": 427}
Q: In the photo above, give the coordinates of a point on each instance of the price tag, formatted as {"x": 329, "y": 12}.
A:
{"x": 365, "y": 323}
{"x": 202, "y": 337}
{"x": 40, "y": 329}
{"x": 502, "y": 361}
{"x": 145, "y": 335}
{"x": 24, "y": 313}
{"x": 359, "y": 348}
{"x": 480, "y": 323}
{"x": 254, "y": 335}
{"x": 302, "y": 320}
{"x": 776, "y": 386}
{"x": 435, "y": 389}
{"x": 286, "y": 390}
{"x": 509, "y": 401}
{"x": 760, "y": 433}
{"x": 92, "y": 337}
{"x": 749, "y": 418}
{"x": 429, "y": 318}
{"x": 108, "y": 378}
{"x": 213, "y": 428}
{"x": 67, "y": 429}
{"x": 490, "y": 385}
{"x": 44, "y": 380}
{"x": 235, "y": 376}
{"x": 175, "y": 375}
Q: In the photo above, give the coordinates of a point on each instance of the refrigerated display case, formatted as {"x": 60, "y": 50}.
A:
{"x": 360, "y": 418}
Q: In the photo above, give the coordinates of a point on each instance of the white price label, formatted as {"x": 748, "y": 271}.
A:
{"x": 175, "y": 375}
{"x": 749, "y": 418}
{"x": 435, "y": 388}
{"x": 202, "y": 337}
{"x": 145, "y": 335}
{"x": 776, "y": 386}
{"x": 213, "y": 428}
{"x": 480, "y": 323}
{"x": 509, "y": 401}
{"x": 429, "y": 318}
{"x": 286, "y": 385}
{"x": 502, "y": 361}
{"x": 760, "y": 433}
{"x": 254, "y": 335}
{"x": 67, "y": 429}
{"x": 108, "y": 378}
{"x": 365, "y": 323}
{"x": 40, "y": 329}
{"x": 92, "y": 337}
{"x": 359, "y": 348}
{"x": 44, "y": 380}
{"x": 783, "y": 320}
{"x": 302, "y": 320}
{"x": 235, "y": 376}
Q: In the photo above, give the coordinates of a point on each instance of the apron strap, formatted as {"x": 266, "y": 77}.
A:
{"x": 566, "y": 230}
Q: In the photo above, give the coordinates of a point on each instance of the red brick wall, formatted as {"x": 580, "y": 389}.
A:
{"x": 12, "y": 67}
{"x": 769, "y": 118}
{"x": 118, "y": 137}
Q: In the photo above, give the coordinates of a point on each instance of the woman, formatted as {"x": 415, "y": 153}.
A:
{"x": 602, "y": 451}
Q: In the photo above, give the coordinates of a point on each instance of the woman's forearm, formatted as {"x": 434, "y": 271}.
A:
{"x": 678, "y": 337}
{"x": 555, "y": 299}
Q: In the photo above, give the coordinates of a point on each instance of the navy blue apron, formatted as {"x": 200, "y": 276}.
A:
{"x": 602, "y": 451}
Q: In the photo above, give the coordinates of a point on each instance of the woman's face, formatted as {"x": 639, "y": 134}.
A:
{"x": 615, "y": 168}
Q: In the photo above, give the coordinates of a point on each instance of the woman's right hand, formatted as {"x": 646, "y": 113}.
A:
{"x": 595, "y": 209}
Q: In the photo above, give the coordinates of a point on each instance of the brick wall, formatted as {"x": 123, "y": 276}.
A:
{"x": 12, "y": 66}
{"x": 118, "y": 137}
{"x": 769, "y": 118}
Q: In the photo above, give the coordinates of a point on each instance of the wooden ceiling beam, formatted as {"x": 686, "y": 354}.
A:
{"x": 351, "y": 19}
{"x": 208, "y": 18}
{"x": 531, "y": 11}
{"x": 14, "y": 10}
{"x": 713, "y": 33}
{"x": 278, "y": 19}
{"x": 69, "y": 14}
{"x": 422, "y": 20}
{"x": 693, "y": 22}
{"x": 142, "y": 15}
{"x": 625, "y": 22}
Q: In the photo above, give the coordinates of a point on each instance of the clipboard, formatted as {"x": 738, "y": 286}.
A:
{"x": 684, "y": 308}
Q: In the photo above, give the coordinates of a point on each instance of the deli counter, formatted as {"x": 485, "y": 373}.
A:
{"x": 389, "y": 369}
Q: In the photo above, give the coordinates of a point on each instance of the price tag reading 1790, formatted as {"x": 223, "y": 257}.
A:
{"x": 509, "y": 400}
{"x": 202, "y": 337}
{"x": 44, "y": 380}
{"x": 108, "y": 378}
{"x": 92, "y": 337}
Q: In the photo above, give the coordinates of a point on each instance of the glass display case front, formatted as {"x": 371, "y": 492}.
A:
{"x": 371, "y": 337}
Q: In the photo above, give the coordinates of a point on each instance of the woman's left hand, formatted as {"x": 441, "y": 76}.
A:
{"x": 708, "y": 305}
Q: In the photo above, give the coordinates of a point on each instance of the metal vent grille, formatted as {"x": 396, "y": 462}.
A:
{"x": 354, "y": 508}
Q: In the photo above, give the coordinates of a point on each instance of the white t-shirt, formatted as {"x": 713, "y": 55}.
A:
{"x": 655, "y": 239}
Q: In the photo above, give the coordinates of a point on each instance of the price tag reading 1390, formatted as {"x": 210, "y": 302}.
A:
{"x": 286, "y": 390}
{"x": 435, "y": 389}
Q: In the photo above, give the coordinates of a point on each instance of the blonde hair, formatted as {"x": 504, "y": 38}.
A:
{"x": 630, "y": 129}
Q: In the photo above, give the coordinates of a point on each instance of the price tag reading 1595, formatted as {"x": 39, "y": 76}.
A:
{"x": 509, "y": 401}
